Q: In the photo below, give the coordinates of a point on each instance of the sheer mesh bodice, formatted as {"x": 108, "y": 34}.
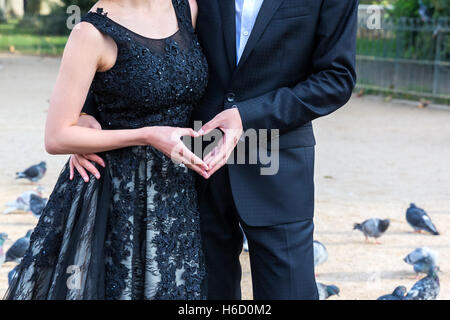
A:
{"x": 164, "y": 77}
{"x": 134, "y": 233}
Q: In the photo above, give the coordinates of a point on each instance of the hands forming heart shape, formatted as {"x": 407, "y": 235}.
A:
{"x": 168, "y": 141}
{"x": 230, "y": 123}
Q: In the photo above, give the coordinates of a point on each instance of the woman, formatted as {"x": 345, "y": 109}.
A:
{"x": 134, "y": 232}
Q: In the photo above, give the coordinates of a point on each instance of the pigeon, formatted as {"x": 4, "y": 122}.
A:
{"x": 419, "y": 220}
{"x": 11, "y": 275}
{"x": 422, "y": 259}
{"x": 22, "y": 203}
{"x": 33, "y": 173}
{"x": 17, "y": 250}
{"x": 398, "y": 294}
{"x": 320, "y": 253}
{"x": 326, "y": 291}
{"x": 3, "y": 237}
{"x": 424, "y": 267}
{"x": 425, "y": 289}
{"x": 245, "y": 241}
{"x": 37, "y": 205}
{"x": 373, "y": 228}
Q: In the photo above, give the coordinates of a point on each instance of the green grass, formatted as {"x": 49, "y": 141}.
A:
{"x": 376, "y": 47}
{"x": 25, "y": 41}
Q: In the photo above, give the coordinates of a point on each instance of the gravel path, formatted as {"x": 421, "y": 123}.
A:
{"x": 372, "y": 159}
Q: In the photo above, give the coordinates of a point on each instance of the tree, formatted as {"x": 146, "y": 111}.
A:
{"x": 84, "y": 5}
{"x": 441, "y": 8}
{"x": 2, "y": 11}
{"x": 2, "y": 16}
{"x": 410, "y": 8}
{"x": 32, "y": 7}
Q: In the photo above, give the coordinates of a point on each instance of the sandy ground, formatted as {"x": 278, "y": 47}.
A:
{"x": 373, "y": 159}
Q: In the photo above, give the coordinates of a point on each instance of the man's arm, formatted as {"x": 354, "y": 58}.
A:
{"x": 327, "y": 89}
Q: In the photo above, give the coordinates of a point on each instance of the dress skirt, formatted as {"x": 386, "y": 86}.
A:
{"x": 132, "y": 234}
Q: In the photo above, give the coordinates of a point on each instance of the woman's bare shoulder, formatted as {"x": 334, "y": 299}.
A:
{"x": 86, "y": 42}
{"x": 86, "y": 31}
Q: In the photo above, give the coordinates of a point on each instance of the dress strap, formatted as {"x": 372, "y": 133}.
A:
{"x": 183, "y": 12}
{"x": 100, "y": 21}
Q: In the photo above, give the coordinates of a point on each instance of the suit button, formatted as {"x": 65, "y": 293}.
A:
{"x": 230, "y": 97}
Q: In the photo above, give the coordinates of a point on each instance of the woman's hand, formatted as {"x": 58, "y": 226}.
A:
{"x": 168, "y": 141}
{"x": 82, "y": 162}
{"x": 165, "y": 139}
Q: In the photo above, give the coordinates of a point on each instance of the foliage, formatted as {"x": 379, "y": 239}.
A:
{"x": 2, "y": 16}
{"x": 55, "y": 23}
{"x": 410, "y": 8}
{"x": 441, "y": 8}
{"x": 32, "y": 7}
{"x": 84, "y": 5}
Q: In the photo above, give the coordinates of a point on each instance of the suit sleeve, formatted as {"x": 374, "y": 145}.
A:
{"x": 329, "y": 86}
{"x": 90, "y": 105}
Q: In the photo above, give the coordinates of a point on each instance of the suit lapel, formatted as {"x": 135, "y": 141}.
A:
{"x": 266, "y": 12}
{"x": 228, "y": 12}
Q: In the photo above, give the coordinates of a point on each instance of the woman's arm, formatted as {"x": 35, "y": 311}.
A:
{"x": 87, "y": 51}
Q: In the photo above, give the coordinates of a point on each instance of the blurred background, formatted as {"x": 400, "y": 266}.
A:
{"x": 387, "y": 148}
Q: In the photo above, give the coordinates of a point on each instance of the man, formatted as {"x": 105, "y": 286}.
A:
{"x": 274, "y": 64}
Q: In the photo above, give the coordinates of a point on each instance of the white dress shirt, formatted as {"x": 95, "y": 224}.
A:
{"x": 246, "y": 13}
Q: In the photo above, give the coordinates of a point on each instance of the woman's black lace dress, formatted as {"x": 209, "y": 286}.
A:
{"x": 133, "y": 234}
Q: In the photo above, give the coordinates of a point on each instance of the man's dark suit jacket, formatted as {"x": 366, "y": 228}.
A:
{"x": 298, "y": 65}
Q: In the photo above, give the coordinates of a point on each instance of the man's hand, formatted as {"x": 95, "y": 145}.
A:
{"x": 81, "y": 161}
{"x": 230, "y": 123}
{"x": 88, "y": 121}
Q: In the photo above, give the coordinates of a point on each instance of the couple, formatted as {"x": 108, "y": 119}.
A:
{"x": 141, "y": 226}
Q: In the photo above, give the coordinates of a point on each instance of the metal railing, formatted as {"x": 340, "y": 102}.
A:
{"x": 405, "y": 56}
